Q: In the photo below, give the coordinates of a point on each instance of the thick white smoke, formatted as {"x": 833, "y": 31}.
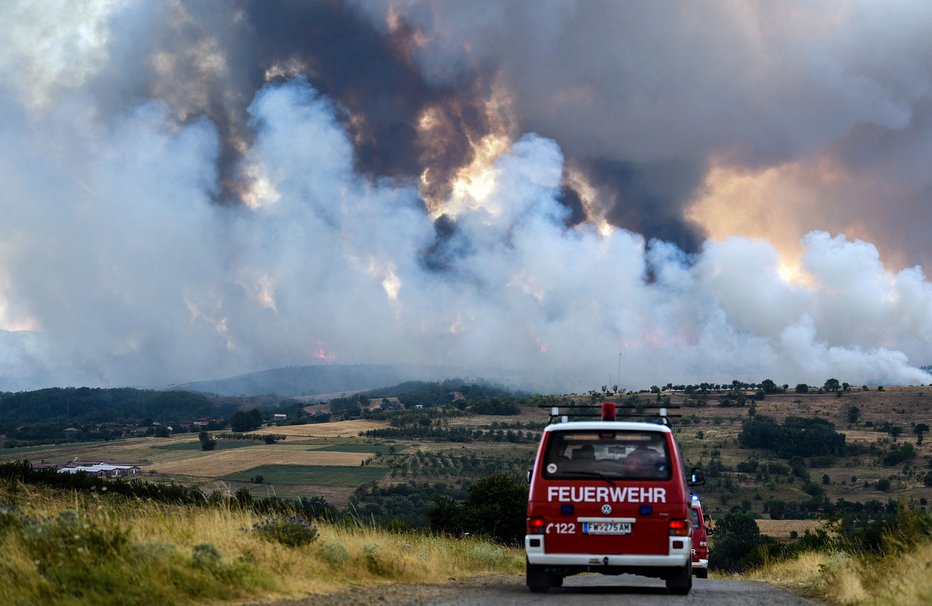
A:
{"x": 118, "y": 267}
{"x": 132, "y": 275}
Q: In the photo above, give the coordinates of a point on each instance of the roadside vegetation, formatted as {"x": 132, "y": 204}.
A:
{"x": 886, "y": 561}
{"x": 82, "y": 547}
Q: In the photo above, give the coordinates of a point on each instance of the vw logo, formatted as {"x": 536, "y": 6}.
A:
{"x": 606, "y": 509}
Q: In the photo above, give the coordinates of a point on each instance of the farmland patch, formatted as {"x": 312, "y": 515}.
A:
{"x": 330, "y": 475}
{"x": 221, "y": 463}
{"x": 196, "y": 445}
{"x": 368, "y": 448}
{"x": 335, "y": 429}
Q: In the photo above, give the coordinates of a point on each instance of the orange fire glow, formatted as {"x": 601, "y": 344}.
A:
{"x": 779, "y": 204}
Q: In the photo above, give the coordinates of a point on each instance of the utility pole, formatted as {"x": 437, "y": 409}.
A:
{"x": 618, "y": 380}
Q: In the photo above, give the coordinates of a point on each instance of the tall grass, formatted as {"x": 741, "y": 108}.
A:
{"x": 887, "y": 563}
{"x": 837, "y": 577}
{"x": 78, "y": 549}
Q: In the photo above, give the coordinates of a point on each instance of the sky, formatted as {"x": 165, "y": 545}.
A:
{"x": 564, "y": 194}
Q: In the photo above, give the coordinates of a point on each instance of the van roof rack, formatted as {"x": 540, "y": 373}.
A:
{"x": 611, "y": 411}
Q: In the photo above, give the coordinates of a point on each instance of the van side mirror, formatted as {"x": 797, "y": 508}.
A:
{"x": 696, "y": 477}
{"x": 528, "y": 477}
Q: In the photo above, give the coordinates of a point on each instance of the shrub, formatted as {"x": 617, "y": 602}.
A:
{"x": 293, "y": 531}
{"x": 54, "y": 541}
{"x": 334, "y": 554}
{"x": 374, "y": 562}
{"x": 206, "y": 555}
{"x": 737, "y": 538}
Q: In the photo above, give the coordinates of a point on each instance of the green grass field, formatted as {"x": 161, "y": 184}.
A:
{"x": 310, "y": 474}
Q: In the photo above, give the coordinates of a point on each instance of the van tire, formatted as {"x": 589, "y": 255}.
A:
{"x": 682, "y": 581}
{"x": 538, "y": 581}
{"x": 702, "y": 573}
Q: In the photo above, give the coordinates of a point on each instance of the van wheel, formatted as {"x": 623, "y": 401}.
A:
{"x": 702, "y": 573}
{"x": 538, "y": 581}
{"x": 682, "y": 581}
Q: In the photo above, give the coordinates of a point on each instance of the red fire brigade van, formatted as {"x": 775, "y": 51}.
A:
{"x": 701, "y": 530}
{"x": 610, "y": 497}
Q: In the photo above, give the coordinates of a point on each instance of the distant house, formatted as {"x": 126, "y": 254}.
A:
{"x": 101, "y": 469}
{"x": 205, "y": 423}
{"x": 278, "y": 416}
{"x": 72, "y": 432}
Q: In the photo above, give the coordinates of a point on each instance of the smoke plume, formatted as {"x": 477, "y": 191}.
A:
{"x": 703, "y": 192}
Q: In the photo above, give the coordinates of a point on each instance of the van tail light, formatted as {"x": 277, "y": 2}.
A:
{"x": 608, "y": 411}
{"x": 679, "y": 528}
{"x": 535, "y": 525}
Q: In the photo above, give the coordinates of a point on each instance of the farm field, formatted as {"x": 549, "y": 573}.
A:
{"x": 332, "y": 475}
{"x": 334, "y": 429}
{"x": 224, "y": 462}
{"x": 783, "y": 529}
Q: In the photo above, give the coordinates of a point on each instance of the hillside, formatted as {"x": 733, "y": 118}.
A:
{"x": 320, "y": 379}
{"x": 754, "y": 479}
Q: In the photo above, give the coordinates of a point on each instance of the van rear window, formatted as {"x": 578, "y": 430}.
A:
{"x": 583, "y": 454}
{"x": 694, "y": 517}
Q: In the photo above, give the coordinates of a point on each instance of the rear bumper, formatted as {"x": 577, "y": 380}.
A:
{"x": 676, "y": 556}
{"x": 700, "y": 563}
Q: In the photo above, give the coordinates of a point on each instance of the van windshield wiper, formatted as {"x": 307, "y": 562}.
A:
{"x": 595, "y": 474}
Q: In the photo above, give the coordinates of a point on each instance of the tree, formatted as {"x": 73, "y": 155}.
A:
{"x": 832, "y": 385}
{"x": 777, "y": 509}
{"x": 802, "y": 388}
{"x": 207, "y": 443}
{"x": 854, "y": 413}
{"x": 769, "y": 386}
{"x": 242, "y": 422}
{"x": 919, "y": 429}
{"x": 736, "y": 537}
{"x": 495, "y": 507}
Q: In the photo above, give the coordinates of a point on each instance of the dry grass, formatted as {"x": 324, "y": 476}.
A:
{"x": 902, "y": 579}
{"x": 336, "y": 429}
{"x": 799, "y": 575}
{"x": 342, "y": 556}
{"x": 222, "y": 462}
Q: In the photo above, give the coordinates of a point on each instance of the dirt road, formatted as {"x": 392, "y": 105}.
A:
{"x": 588, "y": 590}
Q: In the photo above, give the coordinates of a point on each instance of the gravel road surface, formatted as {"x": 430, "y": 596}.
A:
{"x": 583, "y": 590}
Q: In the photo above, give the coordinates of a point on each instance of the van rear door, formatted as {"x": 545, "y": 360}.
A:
{"x": 608, "y": 491}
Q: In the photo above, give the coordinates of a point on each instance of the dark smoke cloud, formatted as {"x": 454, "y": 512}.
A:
{"x": 754, "y": 85}
{"x": 650, "y": 198}
{"x": 210, "y": 59}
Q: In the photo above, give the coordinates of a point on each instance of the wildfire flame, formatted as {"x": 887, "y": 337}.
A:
{"x": 322, "y": 354}
{"x": 472, "y": 185}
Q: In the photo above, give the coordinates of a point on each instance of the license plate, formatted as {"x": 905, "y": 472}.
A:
{"x": 606, "y": 528}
